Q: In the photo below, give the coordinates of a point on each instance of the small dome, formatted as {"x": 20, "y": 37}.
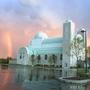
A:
{"x": 83, "y": 30}
{"x": 41, "y": 35}
{"x": 68, "y": 21}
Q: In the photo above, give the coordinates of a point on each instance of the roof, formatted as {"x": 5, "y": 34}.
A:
{"x": 45, "y": 50}
{"x": 53, "y": 40}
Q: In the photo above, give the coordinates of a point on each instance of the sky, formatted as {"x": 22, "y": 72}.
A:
{"x": 20, "y": 20}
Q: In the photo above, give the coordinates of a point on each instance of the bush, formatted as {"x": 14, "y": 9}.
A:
{"x": 83, "y": 75}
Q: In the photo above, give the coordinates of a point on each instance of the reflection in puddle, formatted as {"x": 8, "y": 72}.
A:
{"x": 4, "y": 66}
{"x": 37, "y": 78}
{"x": 28, "y": 78}
{"x": 35, "y": 74}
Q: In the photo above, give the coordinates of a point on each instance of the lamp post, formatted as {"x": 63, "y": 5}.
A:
{"x": 83, "y": 31}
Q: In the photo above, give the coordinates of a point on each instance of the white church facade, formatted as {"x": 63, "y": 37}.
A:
{"x": 49, "y": 51}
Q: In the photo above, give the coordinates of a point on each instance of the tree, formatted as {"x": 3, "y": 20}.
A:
{"x": 77, "y": 48}
{"x": 88, "y": 52}
{"x": 88, "y": 56}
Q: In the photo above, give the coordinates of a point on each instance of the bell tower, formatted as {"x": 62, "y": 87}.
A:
{"x": 68, "y": 35}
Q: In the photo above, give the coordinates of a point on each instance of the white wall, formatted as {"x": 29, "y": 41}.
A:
{"x": 68, "y": 32}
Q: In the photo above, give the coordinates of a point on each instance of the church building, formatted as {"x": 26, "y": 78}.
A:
{"x": 44, "y": 50}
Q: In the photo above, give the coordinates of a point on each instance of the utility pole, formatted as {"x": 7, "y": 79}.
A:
{"x": 85, "y": 45}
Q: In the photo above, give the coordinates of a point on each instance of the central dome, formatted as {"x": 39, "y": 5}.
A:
{"x": 41, "y": 35}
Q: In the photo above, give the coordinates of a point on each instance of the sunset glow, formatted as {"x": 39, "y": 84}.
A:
{"x": 20, "y": 20}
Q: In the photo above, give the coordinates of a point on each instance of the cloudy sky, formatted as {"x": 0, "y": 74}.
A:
{"x": 20, "y": 20}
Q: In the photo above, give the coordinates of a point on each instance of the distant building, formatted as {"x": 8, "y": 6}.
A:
{"x": 49, "y": 51}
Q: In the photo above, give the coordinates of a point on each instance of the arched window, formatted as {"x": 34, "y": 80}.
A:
{"x": 38, "y": 58}
{"x": 20, "y": 57}
{"x": 46, "y": 57}
{"x": 61, "y": 56}
{"x": 54, "y": 58}
{"x": 66, "y": 64}
{"x": 23, "y": 54}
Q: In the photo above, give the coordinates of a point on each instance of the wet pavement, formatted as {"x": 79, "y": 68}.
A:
{"x": 28, "y": 78}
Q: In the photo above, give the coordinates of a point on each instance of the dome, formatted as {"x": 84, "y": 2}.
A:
{"x": 41, "y": 35}
{"x": 68, "y": 21}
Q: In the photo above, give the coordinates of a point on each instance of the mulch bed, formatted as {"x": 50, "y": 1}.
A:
{"x": 76, "y": 78}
